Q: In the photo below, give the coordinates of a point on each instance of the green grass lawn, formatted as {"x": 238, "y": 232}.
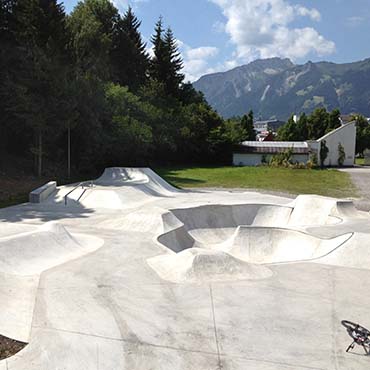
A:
{"x": 322, "y": 182}
{"x": 360, "y": 161}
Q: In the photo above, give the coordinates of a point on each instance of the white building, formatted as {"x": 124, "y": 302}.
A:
{"x": 253, "y": 153}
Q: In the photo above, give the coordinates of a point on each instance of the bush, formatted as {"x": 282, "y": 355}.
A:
{"x": 341, "y": 155}
{"x": 283, "y": 159}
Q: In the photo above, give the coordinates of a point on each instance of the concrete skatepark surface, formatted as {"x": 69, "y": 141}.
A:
{"x": 131, "y": 273}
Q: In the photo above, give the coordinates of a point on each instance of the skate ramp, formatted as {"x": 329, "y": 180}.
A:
{"x": 36, "y": 251}
{"x": 117, "y": 188}
{"x": 274, "y": 245}
{"x": 311, "y": 210}
{"x": 122, "y": 176}
{"x": 198, "y": 265}
{"x": 143, "y": 178}
{"x": 226, "y": 216}
{"x": 254, "y": 233}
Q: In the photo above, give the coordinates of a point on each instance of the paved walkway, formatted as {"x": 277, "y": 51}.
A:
{"x": 361, "y": 178}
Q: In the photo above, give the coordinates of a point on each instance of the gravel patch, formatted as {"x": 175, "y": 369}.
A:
{"x": 9, "y": 347}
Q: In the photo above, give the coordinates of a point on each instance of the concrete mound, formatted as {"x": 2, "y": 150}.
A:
{"x": 274, "y": 245}
{"x": 199, "y": 265}
{"x": 126, "y": 176}
{"x": 311, "y": 210}
{"x": 121, "y": 176}
{"x": 117, "y": 188}
{"x": 36, "y": 251}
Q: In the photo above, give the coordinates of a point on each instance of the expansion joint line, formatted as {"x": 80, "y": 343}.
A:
{"x": 215, "y": 328}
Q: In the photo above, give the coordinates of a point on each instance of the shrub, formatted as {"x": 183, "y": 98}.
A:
{"x": 341, "y": 155}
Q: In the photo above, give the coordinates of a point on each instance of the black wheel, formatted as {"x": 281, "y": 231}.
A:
{"x": 356, "y": 331}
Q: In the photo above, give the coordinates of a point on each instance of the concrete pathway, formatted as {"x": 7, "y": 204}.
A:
{"x": 361, "y": 178}
{"x": 109, "y": 309}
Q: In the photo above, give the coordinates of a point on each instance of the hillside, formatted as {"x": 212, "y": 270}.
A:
{"x": 275, "y": 88}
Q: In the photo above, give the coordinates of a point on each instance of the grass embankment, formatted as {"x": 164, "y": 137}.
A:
{"x": 322, "y": 182}
{"x": 15, "y": 190}
{"x": 360, "y": 161}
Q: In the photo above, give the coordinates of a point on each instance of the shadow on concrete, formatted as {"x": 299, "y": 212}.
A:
{"x": 28, "y": 212}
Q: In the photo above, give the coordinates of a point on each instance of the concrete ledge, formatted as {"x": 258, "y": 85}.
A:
{"x": 41, "y": 194}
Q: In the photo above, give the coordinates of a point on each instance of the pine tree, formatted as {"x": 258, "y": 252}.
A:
{"x": 41, "y": 36}
{"x": 247, "y": 124}
{"x": 130, "y": 59}
{"x": 157, "y": 65}
{"x": 302, "y": 128}
{"x": 334, "y": 120}
{"x": 166, "y": 65}
{"x": 174, "y": 63}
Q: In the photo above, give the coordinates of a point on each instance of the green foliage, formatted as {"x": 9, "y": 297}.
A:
{"x": 362, "y": 134}
{"x": 92, "y": 26}
{"x": 311, "y": 127}
{"x": 129, "y": 57}
{"x": 88, "y": 77}
{"x": 166, "y": 65}
{"x": 288, "y": 132}
{"x": 314, "y": 160}
{"x": 324, "y": 150}
{"x": 341, "y": 154}
{"x": 283, "y": 159}
{"x": 247, "y": 123}
{"x": 224, "y": 137}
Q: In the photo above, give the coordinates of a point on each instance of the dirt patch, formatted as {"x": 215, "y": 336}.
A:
{"x": 14, "y": 190}
{"x": 9, "y": 347}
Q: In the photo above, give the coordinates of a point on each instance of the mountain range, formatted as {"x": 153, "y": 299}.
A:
{"x": 275, "y": 88}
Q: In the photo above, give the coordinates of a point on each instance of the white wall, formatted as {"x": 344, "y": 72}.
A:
{"x": 346, "y": 135}
{"x": 252, "y": 159}
{"x": 246, "y": 159}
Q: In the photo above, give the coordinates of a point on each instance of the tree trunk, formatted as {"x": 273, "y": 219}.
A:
{"x": 39, "y": 166}
{"x": 69, "y": 151}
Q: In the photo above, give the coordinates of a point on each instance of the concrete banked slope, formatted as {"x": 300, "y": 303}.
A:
{"x": 129, "y": 273}
{"x": 25, "y": 252}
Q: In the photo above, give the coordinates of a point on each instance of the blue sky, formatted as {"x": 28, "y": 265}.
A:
{"x": 217, "y": 35}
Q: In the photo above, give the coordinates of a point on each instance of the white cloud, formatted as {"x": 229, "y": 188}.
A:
{"x": 197, "y": 60}
{"x": 202, "y": 52}
{"x": 218, "y": 27}
{"x": 261, "y": 29}
{"x": 122, "y": 5}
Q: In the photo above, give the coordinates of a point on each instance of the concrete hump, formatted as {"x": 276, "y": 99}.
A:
{"x": 347, "y": 209}
{"x": 198, "y": 265}
{"x": 122, "y": 175}
{"x": 277, "y": 245}
{"x": 147, "y": 179}
{"x": 51, "y": 245}
{"x": 313, "y": 210}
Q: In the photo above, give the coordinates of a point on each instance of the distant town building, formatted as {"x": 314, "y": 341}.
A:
{"x": 253, "y": 153}
{"x": 269, "y": 125}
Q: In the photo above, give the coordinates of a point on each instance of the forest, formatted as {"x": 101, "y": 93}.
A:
{"x": 81, "y": 92}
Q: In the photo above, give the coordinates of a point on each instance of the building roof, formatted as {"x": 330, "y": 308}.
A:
{"x": 336, "y": 130}
{"x": 273, "y": 147}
